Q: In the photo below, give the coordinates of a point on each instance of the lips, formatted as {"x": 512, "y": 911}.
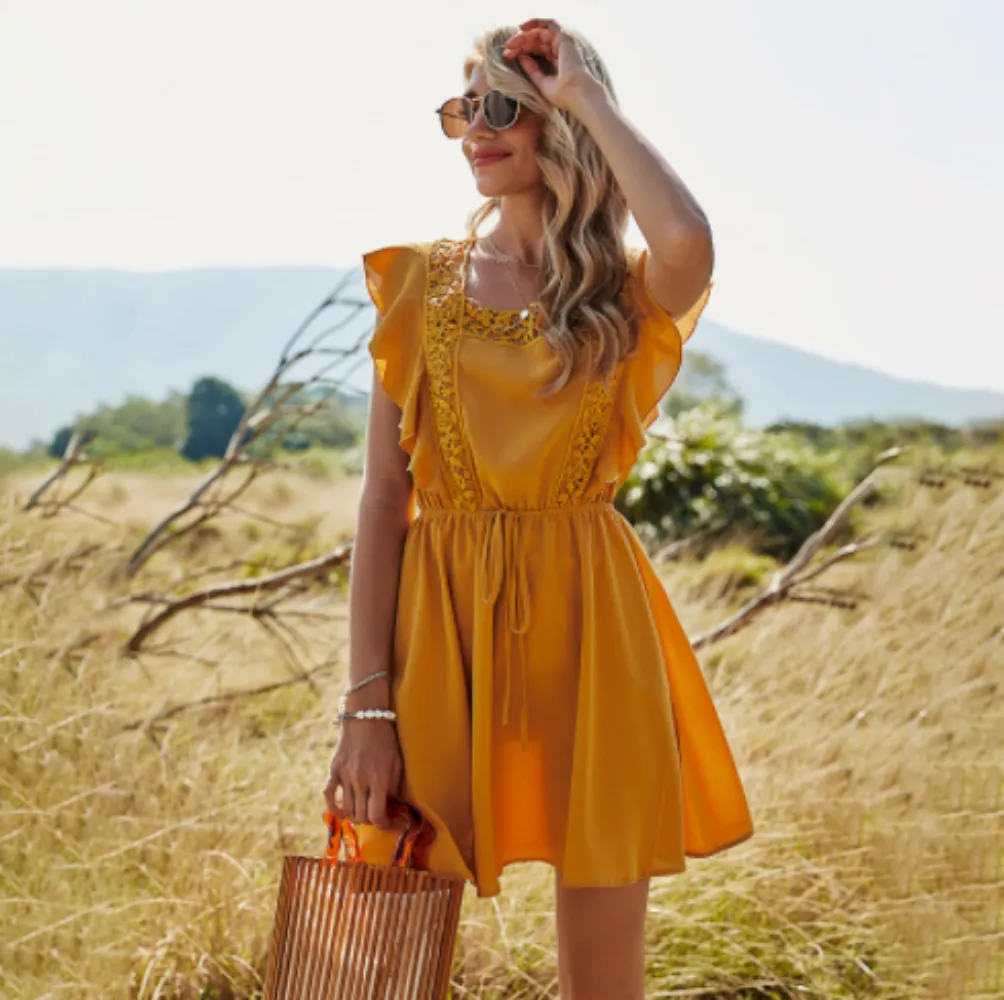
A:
{"x": 486, "y": 157}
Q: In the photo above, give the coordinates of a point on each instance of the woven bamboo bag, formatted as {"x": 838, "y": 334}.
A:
{"x": 351, "y": 930}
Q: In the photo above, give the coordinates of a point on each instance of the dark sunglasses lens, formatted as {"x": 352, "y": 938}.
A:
{"x": 455, "y": 115}
{"x": 500, "y": 111}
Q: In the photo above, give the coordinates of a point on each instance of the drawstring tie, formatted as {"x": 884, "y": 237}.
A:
{"x": 503, "y": 565}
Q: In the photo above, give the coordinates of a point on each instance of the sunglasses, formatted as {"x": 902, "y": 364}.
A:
{"x": 456, "y": 114}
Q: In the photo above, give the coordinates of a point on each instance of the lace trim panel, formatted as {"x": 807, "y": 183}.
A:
{"x": 508, "y": 326}
{"x": 442, "y": 333}
{"x": 591, "y": 428}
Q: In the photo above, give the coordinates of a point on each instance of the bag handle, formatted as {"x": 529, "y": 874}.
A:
{"x": 412, "y": 849}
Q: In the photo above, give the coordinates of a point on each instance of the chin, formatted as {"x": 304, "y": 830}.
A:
{"x": 488, "y": 189}
{"x": 499, "y": 187}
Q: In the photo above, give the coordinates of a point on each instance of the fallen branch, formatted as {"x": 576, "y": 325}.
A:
{"x": 312, "y": 569}
{"x": 680, "y": 546}
{"x": 798, "y": 571}
{"x": 74, "y": 455}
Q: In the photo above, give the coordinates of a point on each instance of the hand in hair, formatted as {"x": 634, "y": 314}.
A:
{"x": 552, "y": 61}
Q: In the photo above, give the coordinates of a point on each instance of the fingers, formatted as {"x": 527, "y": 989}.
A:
{"x": 359, "y": 786}
{"x": 540, "y": 22}
{"x": 359, "y": 804}
{"x": 330, "y": 793}
{"x": 377, "y": 810}
{"x": 350, "y": 803}
{"x": 383, "y": 789}
{"x": 362, "y": 814}
{"x": 535, "y": 38}
{"x": 353, "y": 802}
{"x": 531, "y": 69}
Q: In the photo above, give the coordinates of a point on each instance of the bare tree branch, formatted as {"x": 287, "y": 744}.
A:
{"x": 302, "y": 571}
{"x": 798, "y": 572}
{"x": 74, "y": 455}
{"x": 822, "y": 537}
{"x": 280, "y": 407}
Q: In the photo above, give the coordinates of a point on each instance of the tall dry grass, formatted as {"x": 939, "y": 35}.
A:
{"x": 143, "y": 863}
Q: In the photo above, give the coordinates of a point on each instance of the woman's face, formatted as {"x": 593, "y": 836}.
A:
{"x": 505, "y": 162}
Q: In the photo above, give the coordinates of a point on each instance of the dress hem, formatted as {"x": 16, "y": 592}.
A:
{"x": 658, "y": 871}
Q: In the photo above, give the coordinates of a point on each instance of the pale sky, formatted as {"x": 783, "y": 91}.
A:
{"x": 849, "y": 155}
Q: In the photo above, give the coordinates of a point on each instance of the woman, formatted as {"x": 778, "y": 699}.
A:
{"x": 537, "y": 697}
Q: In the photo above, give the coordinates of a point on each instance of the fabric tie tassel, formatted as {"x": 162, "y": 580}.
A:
{"x": 503, "y": 564}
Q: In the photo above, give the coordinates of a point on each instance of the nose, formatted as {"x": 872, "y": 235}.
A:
{"x": 479, "y": 124}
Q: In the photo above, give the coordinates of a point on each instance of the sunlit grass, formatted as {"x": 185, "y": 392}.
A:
{"x": 144, "y": 864}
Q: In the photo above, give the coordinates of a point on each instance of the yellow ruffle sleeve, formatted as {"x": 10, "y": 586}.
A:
{"x": 395, "y": 281}
{"x": 649, "y": 372}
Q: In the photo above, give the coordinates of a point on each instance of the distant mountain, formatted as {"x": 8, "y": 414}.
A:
{"x": 71, "y": 339}
{"x": 779, "y": 382}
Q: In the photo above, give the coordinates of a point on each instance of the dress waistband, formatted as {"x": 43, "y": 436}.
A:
{"x": 490, "y": 513}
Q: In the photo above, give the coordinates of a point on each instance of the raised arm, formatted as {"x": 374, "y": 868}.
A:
{"x": 681, "y": 252}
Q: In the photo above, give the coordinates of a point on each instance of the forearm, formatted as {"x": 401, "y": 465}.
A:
{"x": 373, "y": 588}
{"x": 668, "y": 215}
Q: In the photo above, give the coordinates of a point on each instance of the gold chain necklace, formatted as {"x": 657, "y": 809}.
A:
{"x": 505, "y": 257}
{"x": 504, "y": 261}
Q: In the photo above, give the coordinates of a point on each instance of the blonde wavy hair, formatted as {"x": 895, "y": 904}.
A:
{"x": 584, "y": 215}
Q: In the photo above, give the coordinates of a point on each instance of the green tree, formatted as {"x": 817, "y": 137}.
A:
{"x": 331, "y": 427}
{"x": 140, "y": 424}
{"x": 57, "y": 447}
{"x": 213, "y": 411}
{"x": 134, "y": 426}
{"x": 60, "y": 440}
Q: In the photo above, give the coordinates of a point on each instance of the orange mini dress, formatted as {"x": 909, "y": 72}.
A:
{"x": 550, "y": 707}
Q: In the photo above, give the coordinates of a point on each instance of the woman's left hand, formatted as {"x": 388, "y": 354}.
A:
{"x": 569, "y": 76}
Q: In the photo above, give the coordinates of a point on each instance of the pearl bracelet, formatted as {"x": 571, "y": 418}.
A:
{"x": 368, "y": 713}
{"x": 352, "y": 689}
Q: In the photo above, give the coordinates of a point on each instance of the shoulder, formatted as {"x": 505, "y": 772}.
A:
{"x": 419, "y": 250}
{"x": 395, "y": 274}
{"x": 395, "y": 265}
{"x": 382, "y": 258}
{"x": 411, "y": 265}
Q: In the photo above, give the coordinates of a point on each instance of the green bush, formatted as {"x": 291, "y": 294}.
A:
{"x": 132, "y": 427}
{"x": 712, "y": 476}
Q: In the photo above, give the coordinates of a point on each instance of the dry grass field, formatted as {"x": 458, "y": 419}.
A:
{"x": 140, "y": 855}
